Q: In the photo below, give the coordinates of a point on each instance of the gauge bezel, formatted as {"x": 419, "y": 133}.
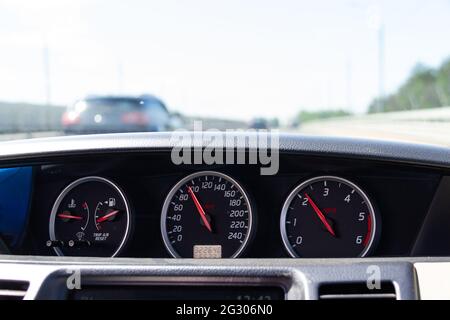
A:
{"x": 304, "y": 184}
{"x": 69, "y": 188}
{"x": 183, "y": 181}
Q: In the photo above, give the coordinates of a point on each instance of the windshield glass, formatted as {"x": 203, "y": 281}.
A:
{"x": 368, "y": 68}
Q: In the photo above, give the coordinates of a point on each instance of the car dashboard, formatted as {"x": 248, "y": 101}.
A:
{"x": 121, "y": 211}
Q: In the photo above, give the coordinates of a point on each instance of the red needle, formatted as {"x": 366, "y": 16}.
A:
{"x": 320, "y": 215}
{"x": 69, "y": 216}
{"x": 107, "y": 216}
{"x": 200, "y": 209}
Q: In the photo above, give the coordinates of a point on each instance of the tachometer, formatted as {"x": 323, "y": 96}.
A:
{"x": 328, "y": 217}
{"x": 91, "y": 217}
{"x": 207, "y": 215}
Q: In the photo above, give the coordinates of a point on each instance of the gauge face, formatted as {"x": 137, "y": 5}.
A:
{"x": 91, "y": 217}
{"x": 328, "y": 217}
{"x": 206, "y": 215}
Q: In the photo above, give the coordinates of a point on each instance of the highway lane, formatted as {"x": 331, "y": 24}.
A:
{"x": 428, "y": 126}
{"x": 417, "y": 132}
{"x": 29, "y": 135}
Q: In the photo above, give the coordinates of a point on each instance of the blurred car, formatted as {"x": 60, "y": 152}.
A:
{"x": 177, "y": 121}
{"x": 259, "y": 123}
{"x": 294, "y": 124}
{"x": 110, "y": 114}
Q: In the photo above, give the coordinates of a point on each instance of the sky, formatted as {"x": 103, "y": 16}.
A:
{"x": 230, "y": 58}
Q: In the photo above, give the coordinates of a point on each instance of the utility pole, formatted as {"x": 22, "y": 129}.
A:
{"x": 120, "y": 77}
{"x": 375, "y": 21}
{"x": 47, "y": 77}
{"x": 349, "y": 84}
{"x": 329, "y": 102}
{"x": 381, "y": 43}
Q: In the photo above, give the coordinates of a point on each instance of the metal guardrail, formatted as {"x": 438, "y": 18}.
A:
{"x": 22, "y": 117}
{"x": 428, "y": 115}
{"x": 214, "y": 123}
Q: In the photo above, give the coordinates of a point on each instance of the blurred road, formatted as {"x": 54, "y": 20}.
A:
{"x": 429, "y": 126}
{"x": 17, "y": 136}
{"x": 206, "y": 123}
{"x": 418, "y": 132}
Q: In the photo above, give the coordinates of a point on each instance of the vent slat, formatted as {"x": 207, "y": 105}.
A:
{"x": 13, "y": 290}
{"x": 357, "y": 290}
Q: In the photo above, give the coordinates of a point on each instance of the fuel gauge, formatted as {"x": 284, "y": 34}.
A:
{"x": 91, "y": 217}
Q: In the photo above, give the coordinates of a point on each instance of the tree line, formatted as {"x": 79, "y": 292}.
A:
{"x": 425, "y": 88}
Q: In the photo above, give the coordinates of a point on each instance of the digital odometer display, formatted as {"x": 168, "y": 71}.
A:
{"x": 206, "y": 215}
{"x": 328, "y": 217}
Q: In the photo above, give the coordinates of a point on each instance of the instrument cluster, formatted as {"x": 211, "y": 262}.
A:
{"x": 210, "y": 214}
{"x": 143, "y": 206}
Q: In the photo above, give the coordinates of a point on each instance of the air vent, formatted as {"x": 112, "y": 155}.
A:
{"x": 13, "y": 290}
{"x": 356, "y": 290}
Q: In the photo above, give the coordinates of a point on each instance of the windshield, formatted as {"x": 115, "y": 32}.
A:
{"x": 377, "y": 69}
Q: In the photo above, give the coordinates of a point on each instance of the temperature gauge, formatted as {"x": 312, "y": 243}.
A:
{"x": 91, "y": 217}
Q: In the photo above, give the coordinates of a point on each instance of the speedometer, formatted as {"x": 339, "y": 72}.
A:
{"x": 206, "y": 215}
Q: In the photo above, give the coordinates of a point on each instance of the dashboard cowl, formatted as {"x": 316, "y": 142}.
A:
{"x": 33, "y": 149}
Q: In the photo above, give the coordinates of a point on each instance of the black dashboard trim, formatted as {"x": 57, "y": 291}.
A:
{"x": 21, "y": 151}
